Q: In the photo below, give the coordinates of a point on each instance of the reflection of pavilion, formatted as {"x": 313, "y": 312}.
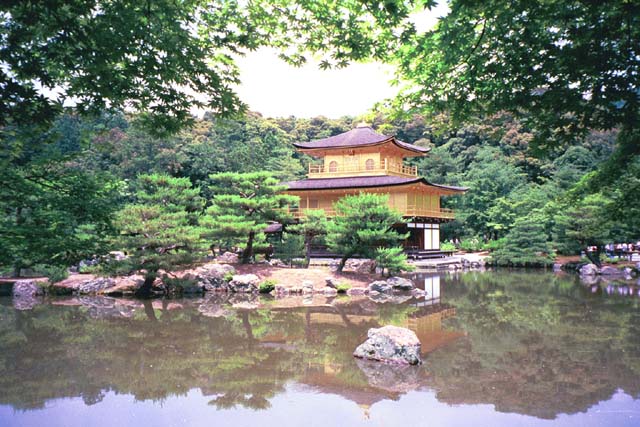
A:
{"x": 365, "y": 382}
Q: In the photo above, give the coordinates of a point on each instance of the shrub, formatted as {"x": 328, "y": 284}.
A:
{"x": 267, "y": 286}
{"x": 342, "y": 288}
{"x": 447, "y": 246}
{"x": 228, "y": 276}
{"x": 393, "y": 259}
{"x": 471, "y": 244}
{"x": 525, "y": 245}
{"x": 493, "y": 245}
{"x": 54, "y": 273}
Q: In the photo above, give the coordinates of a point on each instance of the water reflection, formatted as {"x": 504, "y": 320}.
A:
{"x": 532, "y": 344}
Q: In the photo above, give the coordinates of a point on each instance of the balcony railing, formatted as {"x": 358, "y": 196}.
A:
{"x": 381, "y": 168}
{"x": 410, "y": 211}
{"x": 431, "y": 213}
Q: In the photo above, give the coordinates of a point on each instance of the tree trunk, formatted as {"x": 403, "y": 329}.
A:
{"x": 594, "y": 259}
{"x": 145, "y": 289}
{"x": 307, "y": 251}
{"x": 248, "y": 251}
{"x": 343, "y": 261}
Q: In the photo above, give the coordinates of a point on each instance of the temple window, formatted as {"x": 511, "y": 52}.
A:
{"x": 369, "y": 164}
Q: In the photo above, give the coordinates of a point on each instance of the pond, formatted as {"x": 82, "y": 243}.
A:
{"x": 499, "y": 349}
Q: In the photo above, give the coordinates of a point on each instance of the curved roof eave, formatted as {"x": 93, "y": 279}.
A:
{"x": 360, "y": 182}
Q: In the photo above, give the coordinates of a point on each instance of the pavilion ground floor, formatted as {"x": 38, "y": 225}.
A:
{"x": 422, "y": 242}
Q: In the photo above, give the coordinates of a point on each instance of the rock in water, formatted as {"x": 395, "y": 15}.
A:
{"x": 390, "y": 344}
{"x": 96, "y": 285}
{"x": 380, "y": 286}
{"x": 27, "y": 288}
{"x": 400, "y": 283}
{"x": 26, "y": 294}
{"x": 589, "y": 270}
{"x": 244, "y": 283}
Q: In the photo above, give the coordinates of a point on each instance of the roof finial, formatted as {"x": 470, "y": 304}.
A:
{"x": 363, "y": 125}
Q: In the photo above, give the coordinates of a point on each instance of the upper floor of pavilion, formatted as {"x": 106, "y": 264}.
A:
{"x": 360, "y": 152}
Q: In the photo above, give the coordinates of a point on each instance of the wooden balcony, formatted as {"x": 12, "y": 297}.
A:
{"x": 382, "y": 168}
{"x": 409, "y": 211}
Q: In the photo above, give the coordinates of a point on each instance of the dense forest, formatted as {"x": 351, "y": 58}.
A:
{"x": 532, "y": 105}
{"x": 93, "y": 170}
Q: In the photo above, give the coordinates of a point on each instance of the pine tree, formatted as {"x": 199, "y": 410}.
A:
{"x": 363, "y": 224}
{"x": 241, "y": 207}
{"x": 159, "y": 231}
{"x": 525, "y": 245}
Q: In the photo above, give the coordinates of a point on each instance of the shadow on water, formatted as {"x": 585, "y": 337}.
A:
{"x": 528, "y": 343}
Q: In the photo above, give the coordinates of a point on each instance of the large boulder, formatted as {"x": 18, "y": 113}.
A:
{"x": 26, "y": 294}
{"x": 361, "y": 266}
{"x": 96, "y": 285}
{"x": 228, "y": 258}
{"x": 588, "y": 270}
{"x": 247, "y": 283}
{"x": 390, "y": 344}
{"x": 380, "y": 286}
{"x": 211, "y": 277}
{"x": 26, "y": 288}
{"x": 400, "y": 283}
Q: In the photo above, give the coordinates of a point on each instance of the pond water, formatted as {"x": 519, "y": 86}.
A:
{"x": 500, "y": 349}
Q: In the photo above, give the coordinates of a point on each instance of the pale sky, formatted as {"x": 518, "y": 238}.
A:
{"x": 276, "y": 89}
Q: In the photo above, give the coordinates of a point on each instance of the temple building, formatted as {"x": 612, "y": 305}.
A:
{"x": 362, "y": 160}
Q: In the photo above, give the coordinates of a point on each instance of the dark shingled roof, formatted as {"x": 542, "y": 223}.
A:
{"x": 359, "y": 137}
{"x": 361, "y": 182}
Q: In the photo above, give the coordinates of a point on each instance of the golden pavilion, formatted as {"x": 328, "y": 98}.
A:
{"x": 362, "y": 160}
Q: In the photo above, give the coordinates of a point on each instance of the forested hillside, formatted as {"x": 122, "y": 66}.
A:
{"x": 91, "y": 169}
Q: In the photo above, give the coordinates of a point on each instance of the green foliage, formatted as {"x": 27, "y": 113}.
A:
{"x": 472, "y": 244}
{"x": 362, "y": 225}
{"x": 241, "y": 207}
{"x": 493, "y": 245}
{"x": 342, "y": 288}
{"x": 525, "y": 245}
{"x": 228, "y": 276}
{"x": 54, "y": 273}
{"x": 393, "y": 259}
{"x": 528, "y": 58}
{"x": 164, "y": 58}
{"x": 448, "y": 246}
{"x": 583, "y": 224}
{"x": 159, "y": 230}
{"x": 267, "y": 286}
{"x": 51, "y": 211}
{"x": 290, "y": 248}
